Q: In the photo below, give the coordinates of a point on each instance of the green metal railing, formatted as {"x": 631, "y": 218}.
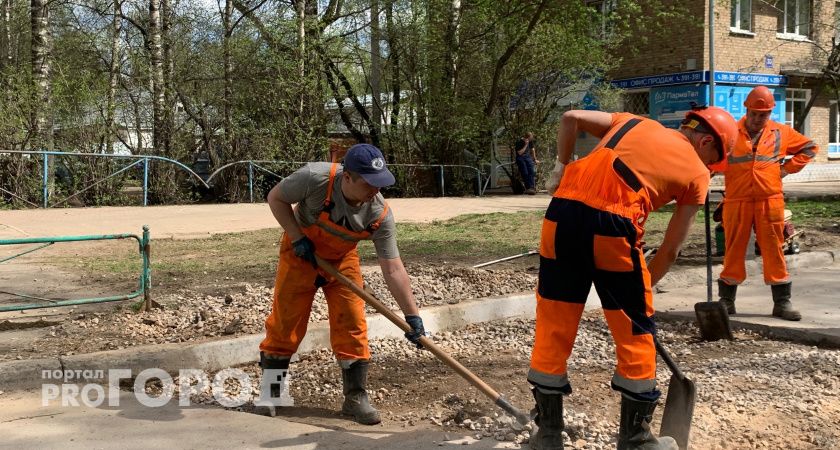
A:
{"x": 145, "y": 280}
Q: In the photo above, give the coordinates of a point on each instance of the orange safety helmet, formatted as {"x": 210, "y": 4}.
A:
{"x": 760, "y": 99}
{"x": 719, "y": 123}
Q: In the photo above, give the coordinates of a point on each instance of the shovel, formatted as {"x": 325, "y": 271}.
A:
{"x": 712, "y": 318}
{"x": 679, "y": 405}
{"x": 465, "y": 373}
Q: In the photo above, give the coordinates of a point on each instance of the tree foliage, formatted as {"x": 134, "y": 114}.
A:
{"x": 276, "y": 79}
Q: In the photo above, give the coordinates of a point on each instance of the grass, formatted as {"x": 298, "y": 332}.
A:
{"x": 463, "y": 240}
{"x": 814, "y": 212}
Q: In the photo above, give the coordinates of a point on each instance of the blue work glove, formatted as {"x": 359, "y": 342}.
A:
{"x": 305, "y": 248}
{"x": 417, "y": 330}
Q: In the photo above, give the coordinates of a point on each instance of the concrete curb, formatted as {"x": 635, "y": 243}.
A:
{"x": 25, "y": 374}
{"x": 220, "y": 354}
{"x": 805, "y": 336}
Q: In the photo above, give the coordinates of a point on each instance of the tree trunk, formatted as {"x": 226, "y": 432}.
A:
{"x": 168, "y": 70}
{"x": 6, "y": 36}
{"x": 442, "y": 97}
{"x": 40, "y": 50}
{"x": 113, "y": 77}
{"x": 228, "y": 14}
{"x": 503, "y": 60}
{"x": 375, "y": 68}
{"x": 300, "y": 7}
{"x": 158, "y": 100}
{"x": 394, "y": 58}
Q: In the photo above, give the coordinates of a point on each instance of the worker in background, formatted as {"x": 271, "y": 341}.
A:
{"x": 765, "y": 151}
{"x": 336, "y": 208}
{"x": 592, "y": 233}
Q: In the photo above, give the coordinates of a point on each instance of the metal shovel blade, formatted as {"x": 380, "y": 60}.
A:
{"x": 713, "y": 321}
{"x": 679, "y": 410}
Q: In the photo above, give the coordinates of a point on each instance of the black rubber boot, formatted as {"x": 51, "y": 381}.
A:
{"x": 271, "y": 390}
{"x": 782, "y": 307}
{"x": 727, "y": 292}
{"x": 356, "y": 402}
{"x": 634, "y": 432}
{"x": 549, "y": 421}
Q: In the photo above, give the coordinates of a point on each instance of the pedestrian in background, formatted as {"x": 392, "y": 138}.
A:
{"x": 526, "y": 162}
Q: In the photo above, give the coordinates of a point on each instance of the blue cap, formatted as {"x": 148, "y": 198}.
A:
{"x": 368, "y": 162}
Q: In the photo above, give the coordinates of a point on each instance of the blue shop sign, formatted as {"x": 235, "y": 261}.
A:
{"x": 669, "y": 104}
{"x": 750, "y": 78}
{"x": 659, "y": 80}
{"x": 731, "y": 98}
{"x": 699, "y": 76}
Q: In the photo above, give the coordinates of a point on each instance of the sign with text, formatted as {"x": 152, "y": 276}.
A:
{"x": 697, "y": 77}
{"x": 668, "y": 105}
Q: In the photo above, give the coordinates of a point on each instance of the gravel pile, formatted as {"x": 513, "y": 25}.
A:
{"x": 189, "y": 317}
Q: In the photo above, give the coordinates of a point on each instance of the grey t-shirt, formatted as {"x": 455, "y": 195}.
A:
{"x": 308, "y": 188}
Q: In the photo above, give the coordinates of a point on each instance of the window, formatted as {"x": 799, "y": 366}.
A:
{"x": 637, "y": 102}
{"x": 741, "y": 19}
{"x": 795, "y": 101}
{"x": 833, "y": 132}
{"x": 794, "y": 17}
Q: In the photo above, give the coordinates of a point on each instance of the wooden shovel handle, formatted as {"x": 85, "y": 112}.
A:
{"x": 427, "y": 343}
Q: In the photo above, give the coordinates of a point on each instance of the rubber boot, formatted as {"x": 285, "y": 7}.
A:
{"x": 356, "y": 401}
{"x": 727, "y": 292}
{"x": 634, "y": 432}
{"x": 549, "y": 421}
{"x": 782, "y": 307}
{"x": 273, "y": 386}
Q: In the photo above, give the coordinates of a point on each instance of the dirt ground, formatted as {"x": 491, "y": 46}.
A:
{"x": 753, "y": 393}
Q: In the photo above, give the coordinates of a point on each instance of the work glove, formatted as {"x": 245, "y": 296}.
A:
{"x": 417, "y": 330}
{"x": 553, "y": 180}
{"x": 305, "y": 248}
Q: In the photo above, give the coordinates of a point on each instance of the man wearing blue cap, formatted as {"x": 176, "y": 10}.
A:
{"x": 336, "y": 208}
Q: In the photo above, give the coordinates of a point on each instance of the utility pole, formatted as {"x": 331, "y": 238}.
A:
{"x": 711, "y": 52}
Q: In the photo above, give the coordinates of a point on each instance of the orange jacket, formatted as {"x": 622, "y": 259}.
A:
{"x": 754, "y": 170}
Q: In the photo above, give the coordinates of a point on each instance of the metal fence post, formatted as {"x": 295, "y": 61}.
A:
{"x": 145, "y": 181}
{"x": 251, "y": 180}
{"x": 442, "y": 187}
{"x": 478, "y": 172}
{"x": 46, "y": 179}
{"x": 146, "y": 276}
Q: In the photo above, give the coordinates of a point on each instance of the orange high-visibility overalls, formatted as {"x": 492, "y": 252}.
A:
{"x": 592, "y": 233}
{"x": 297, "y": 282}
{"x": 754, "y": 198}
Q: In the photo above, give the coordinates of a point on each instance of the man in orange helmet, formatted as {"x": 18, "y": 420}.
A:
{"x": 754, "y": 199}
{"x": 592, "y": 233}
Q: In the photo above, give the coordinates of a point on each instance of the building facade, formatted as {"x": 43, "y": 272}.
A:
{"x": 782, "y": 44}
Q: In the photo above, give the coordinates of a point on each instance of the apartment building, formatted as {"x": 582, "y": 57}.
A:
{"x": 782, "y": 44}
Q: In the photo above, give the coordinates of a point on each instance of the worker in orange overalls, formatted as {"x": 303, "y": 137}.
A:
{"x": 336, "y": 208}
{"x": 592, "y": 233}
{"x": 754, "y": 199}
